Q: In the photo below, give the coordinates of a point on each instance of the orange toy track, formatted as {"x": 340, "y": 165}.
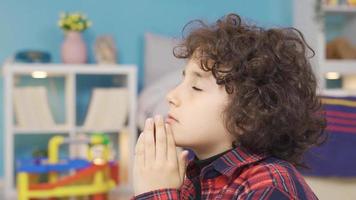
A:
{"x": 84, "y": 173}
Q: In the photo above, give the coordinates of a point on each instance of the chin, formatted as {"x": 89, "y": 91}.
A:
{"x": 181, "y": 138}
{"x": 178, "y": 140}
{"x": 183, "y": 142}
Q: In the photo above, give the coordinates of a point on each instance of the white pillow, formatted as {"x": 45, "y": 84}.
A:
{"x": 162, "y": 73}
{"x": 159, "y": 58}
{"x": 152, "y": 99}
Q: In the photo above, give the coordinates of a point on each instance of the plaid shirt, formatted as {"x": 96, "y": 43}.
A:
{"x": 239, "y": 174}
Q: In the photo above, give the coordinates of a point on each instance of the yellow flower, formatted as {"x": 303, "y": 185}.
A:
{"x": 76, "y": 16}
{"x": 80, "y": 26}
{"x": 75, "y": 21}
{"x": 67, "y": 21}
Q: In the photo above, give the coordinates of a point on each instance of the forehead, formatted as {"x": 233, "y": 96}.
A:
{"x": 193, "y": 67}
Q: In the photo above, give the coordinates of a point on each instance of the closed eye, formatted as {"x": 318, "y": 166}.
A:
{"x": 197, "y": 89}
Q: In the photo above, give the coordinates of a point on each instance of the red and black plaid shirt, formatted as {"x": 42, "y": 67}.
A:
{"x": 239, "y": 174}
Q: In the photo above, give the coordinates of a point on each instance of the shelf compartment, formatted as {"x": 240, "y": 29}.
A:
{"x": 344, "y": 67}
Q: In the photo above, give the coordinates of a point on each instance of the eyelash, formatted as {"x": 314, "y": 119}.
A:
{"x": 197, "y": 89}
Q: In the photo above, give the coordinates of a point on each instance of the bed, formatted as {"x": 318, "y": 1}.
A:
{"x": 162, "y": 73}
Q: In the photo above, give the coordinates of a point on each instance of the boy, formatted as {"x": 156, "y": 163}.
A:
{"x": 247, "y": 107}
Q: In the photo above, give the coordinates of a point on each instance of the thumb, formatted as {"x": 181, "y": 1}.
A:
{"x": 183, "y": 161}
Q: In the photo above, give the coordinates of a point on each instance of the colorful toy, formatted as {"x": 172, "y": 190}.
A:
{"x": 93, "y": 177}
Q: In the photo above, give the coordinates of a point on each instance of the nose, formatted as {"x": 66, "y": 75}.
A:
{"x": 172, "y": 97}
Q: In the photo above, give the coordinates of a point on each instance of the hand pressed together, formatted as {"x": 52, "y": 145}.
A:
{"x": 157, "y": 164}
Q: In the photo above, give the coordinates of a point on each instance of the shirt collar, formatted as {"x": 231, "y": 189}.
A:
{"x": 226, "y": 164}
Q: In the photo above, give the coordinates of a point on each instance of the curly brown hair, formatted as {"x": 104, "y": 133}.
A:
{"x": 273, "y": 106}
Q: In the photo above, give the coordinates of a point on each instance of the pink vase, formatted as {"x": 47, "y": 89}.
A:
{"x": 74, "y": 50}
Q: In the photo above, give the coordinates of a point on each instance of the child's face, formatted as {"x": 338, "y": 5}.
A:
{"x": 199, "y": 125}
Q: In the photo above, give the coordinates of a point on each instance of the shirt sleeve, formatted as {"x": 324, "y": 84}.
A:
{"x": 161, "y": 194}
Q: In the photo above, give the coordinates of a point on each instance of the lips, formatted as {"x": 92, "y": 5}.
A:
{"x": 171, "y": 119}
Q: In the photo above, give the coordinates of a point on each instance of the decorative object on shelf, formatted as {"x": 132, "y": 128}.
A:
{"x": 74, "y": 49}
{"x": 32, "y": 56}
{"x": 334, "y": 83}
{"x": 322, "y": 6}
{"x": 105, "y": 50}
{"x": 340, "y": 48}
{"x": 107, "y": 110}
{"x": 32, "y": 108}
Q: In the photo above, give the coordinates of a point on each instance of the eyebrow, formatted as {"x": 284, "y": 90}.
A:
{"x": 195, "y": 73}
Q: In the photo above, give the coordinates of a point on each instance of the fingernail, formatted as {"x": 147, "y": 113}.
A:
{"x": 158, "y": 118}
{"x": 149, "y": 122}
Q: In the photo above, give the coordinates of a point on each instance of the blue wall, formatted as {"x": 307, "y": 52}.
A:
{"x": 33, "y": 24}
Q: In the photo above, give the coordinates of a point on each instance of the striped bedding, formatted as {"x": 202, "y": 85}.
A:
{"x": 337, "y": 157}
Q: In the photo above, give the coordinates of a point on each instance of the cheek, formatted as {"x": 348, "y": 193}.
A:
{"x": 200, "y": 122}
{"x": 203, "y": 112}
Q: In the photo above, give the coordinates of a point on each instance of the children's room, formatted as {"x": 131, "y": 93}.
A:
{"x": 199, "y": 99}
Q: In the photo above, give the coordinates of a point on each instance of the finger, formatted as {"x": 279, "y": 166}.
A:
{"x": 140, "y": 151}
{"x": 149, "y": 141}
{"x": 161, "y": 139}
{"x": 171, "y": 146}
{"x": 182, "y": 163}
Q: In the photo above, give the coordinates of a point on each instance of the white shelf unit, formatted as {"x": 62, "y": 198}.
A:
{"x": 313, "y": 27}
{"x": 70, "y": 127}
